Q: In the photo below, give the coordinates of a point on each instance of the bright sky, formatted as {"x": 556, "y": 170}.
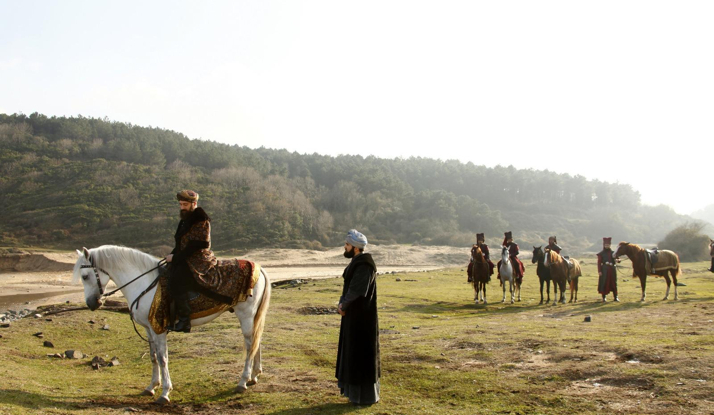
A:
{"x": 621, "y": 91}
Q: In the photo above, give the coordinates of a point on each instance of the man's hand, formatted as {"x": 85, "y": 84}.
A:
{"x": 169, "y": 257}
{"x": 339, "y": 309}
{"x": 599, "y": 274}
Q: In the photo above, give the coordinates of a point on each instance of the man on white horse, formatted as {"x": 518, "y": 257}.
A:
{"x": 358, "y": 364}
{"x": 513, "y": 251}
{"x": 191, "y": 255}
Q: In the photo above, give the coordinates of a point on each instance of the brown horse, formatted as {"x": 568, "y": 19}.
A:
{"x": 559, "y": 272}
{"x": 667, "y": 263}
{"x": 574, "y": 274}
{"x": 480, "y": 274}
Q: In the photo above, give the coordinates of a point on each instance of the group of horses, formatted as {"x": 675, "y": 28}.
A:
{"x": 551, "y": 266}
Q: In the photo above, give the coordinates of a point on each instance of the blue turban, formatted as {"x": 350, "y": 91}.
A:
{"x": 356, "y": 239}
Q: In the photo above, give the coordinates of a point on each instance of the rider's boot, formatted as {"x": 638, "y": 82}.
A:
{"x": 183, "y": 314}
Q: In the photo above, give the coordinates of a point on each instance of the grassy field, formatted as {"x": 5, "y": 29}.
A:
{"x": 441, "y": 354}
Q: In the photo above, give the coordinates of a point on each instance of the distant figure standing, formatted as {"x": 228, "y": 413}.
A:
{"x": 711, "y": 252}
{"x": 358, "y": 364}
{"x": 606, "y": 271}
{"x": 513, "y": 251}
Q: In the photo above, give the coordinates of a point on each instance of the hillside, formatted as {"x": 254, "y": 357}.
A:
{"x": 76, "y": 181}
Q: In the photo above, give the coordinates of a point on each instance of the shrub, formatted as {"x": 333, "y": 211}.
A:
{"x": 688, "y": 242}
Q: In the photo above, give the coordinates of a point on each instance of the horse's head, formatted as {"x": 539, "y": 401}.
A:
{"x": 93, "y": 278}
{"x": 476, "y": 254}
{"x": 537, "y": 254}
{"x": 623, "y": 248}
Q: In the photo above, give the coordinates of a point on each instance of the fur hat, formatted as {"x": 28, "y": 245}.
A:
{"x": 480, "y": 237}
{"x": 187, "y": 196}
{"x": 606, "y": 241}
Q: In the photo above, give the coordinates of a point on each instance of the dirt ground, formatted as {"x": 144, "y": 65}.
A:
{"x": 30, "y": 280}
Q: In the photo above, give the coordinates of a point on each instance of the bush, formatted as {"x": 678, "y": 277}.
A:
{"x": 688, "y": 242}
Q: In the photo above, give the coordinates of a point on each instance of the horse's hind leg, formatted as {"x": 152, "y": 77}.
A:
{"x": 246, "y": 326}
{"x": 541, "y": 290}
{"x": 669, "y": 284}
{"x": 257, "y": 368}
{"x": 674, "y": 280}
{"x": 484, "y": 292}
{"x": 572, "y": 291}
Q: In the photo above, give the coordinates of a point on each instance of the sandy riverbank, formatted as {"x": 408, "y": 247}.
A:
{"x": 32, "y": 280}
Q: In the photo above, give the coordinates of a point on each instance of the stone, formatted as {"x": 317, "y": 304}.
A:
{"x": 588, "y": 319}
{"x": 5, "y": 325}
{"x": 38, "y": 315}
{"x": 114, "y": 362}
{"x": 55, "y": 355}
{"x": 105, "y": 327}
{"x": 399, "y": 279}
{"x": 91, "y": 322}
{"x": 48, "y": 319}
{"x": 48, "y": 344}
{"x": 73, "y": 354}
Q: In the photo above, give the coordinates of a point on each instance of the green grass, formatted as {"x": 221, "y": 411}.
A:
{"x": 441, "y": 354}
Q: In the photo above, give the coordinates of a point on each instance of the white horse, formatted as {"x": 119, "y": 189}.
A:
{"x": 506, "y": 272}
{"x": 95, "y": 267}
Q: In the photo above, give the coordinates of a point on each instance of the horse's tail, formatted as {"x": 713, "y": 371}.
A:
{"x": 259, "y": 319}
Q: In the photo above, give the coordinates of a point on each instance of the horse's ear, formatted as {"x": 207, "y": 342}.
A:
{"x": 86, "y": 252}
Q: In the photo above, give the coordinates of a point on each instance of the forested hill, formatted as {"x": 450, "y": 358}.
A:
{"x": 69, "y": 182}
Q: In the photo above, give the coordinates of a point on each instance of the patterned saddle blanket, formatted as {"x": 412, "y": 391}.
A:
{"x": 237, "y": 279}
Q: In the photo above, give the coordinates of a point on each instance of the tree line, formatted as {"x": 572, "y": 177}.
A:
{"x": 69, "y": 181}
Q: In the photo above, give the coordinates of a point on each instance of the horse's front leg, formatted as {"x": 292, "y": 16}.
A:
{"x": 643, "y": 283}
{"x": 572, "y": 291}
{"x": 674, "y": 280}
{"x": 155, "y": 374}
{"x": 503, "y": 300}
{"x": 484, "y": 293}
{"x": 541, "y": 290}
{"x": 162, "y": 356}
{"x": 512, "y": 290}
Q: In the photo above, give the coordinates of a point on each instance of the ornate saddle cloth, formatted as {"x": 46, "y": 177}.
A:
{"x": 232, "y": 278}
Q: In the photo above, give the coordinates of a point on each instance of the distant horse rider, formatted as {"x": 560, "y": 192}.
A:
{"x": 191, "y": 255}
{"x": 606, "y": 271}
{"x": 480, "y": 243}
{"x": 553, "y": 245}
{"x": 513, "y": 251}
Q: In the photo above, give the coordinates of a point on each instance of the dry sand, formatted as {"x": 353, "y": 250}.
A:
{"x": 32, "y": 280}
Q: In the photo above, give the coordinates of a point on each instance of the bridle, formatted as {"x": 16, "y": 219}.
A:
{"x": 135, "y": 303}
{"x": 97, "y": 269}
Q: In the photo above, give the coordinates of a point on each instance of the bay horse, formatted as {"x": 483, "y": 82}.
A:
{"x": 559, "y": 271}
{"x": 480, "y": 274}
{"x": 507, "y": 274}
{"x": 95, "y": 267}
{"x": 543, "y": 274}
{"x": 667, "y": 263}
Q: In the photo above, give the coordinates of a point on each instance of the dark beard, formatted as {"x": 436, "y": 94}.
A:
{"x": 184, "y": 214}
{"x": 351, "y": 253}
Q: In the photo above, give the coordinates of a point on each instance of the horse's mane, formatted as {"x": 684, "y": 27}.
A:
{"x": 555, "y": 257}
{"x": 118, "y": 258}
{"x": 477, "y": 253}
{"x": 637, "y": 247}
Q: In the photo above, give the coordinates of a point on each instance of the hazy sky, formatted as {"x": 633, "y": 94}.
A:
{"x": 611, "y": 90}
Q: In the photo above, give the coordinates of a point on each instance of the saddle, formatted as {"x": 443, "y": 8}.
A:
{"x": 651, "y": 259}
{"x": 239, "y": 278}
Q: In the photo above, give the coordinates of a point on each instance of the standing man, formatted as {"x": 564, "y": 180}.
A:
{"x": 191, "y": 255}
{"x": 480, "y": 243}
{"x": 606, "y": 271}
{"x": 358, "y": 364}
{"x": 513, "y": 251}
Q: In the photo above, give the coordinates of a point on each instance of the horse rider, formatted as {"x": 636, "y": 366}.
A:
{"x": 518, "y": 267}
{"x": 553, "y": 245}
{"x": 607, "y": 271}
{"x": 480, "y": 243}
{"x": 191, "y": 255}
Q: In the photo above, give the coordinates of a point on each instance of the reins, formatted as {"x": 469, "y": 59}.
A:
{"x": 136, "y": 300}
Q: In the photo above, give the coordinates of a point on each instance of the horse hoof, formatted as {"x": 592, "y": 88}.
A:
{"x": 162, "y": 401}
{"x": 240, "y": 389}
{"x": 147, "y": 392}
{"x": 252, "y": 382}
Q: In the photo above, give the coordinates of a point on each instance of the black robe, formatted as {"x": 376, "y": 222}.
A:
{"x": 358, "y": 360}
